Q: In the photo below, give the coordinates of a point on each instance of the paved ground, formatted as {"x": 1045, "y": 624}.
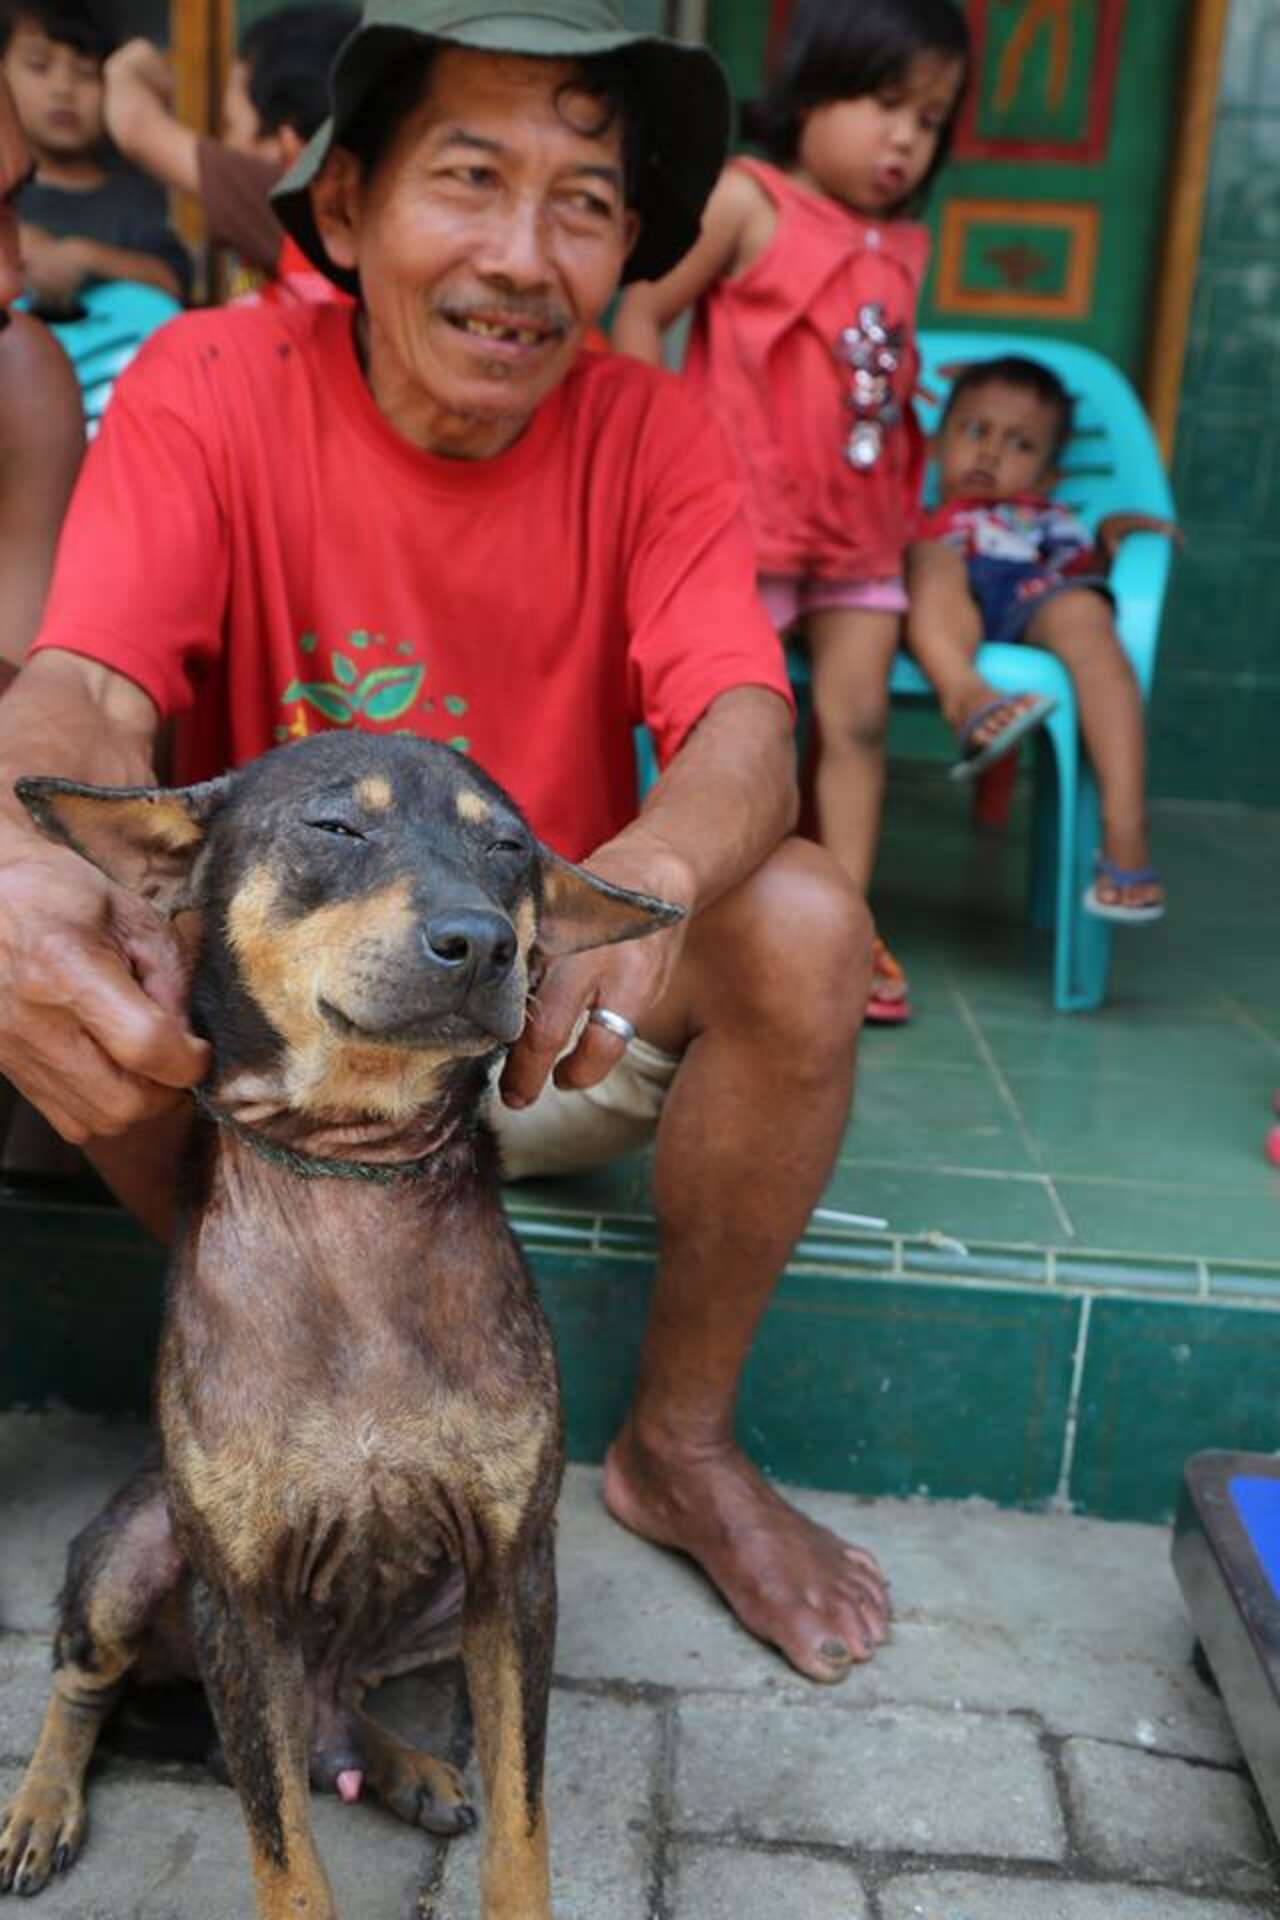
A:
{"x": 1033, "y": 1745}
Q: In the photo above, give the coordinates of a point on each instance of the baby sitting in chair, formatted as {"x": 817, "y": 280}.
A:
{"x": 999, "y": 560}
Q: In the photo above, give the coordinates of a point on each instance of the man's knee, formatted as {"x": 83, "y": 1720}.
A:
{"x": 800, "y": 960}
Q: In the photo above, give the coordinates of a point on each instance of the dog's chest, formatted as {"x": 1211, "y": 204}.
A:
{"x": 355, "y": 1390}
{"x": 340, "y": 1501}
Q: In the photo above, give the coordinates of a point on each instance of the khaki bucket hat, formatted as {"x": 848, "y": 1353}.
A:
{"x": 683, "y": 94}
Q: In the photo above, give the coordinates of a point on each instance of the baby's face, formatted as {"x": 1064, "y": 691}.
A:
{"x": 998, "y": 442}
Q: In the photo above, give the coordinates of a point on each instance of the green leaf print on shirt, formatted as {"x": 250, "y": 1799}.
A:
{"x": 382, "y": 695}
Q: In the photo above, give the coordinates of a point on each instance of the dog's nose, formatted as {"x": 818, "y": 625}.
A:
{"x": 471, "y": 940}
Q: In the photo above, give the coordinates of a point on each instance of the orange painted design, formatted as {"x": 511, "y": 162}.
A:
{"x": 1075, "y": 300}
{"x": 1056, "y": 15}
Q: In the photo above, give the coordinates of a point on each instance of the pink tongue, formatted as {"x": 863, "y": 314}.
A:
{"x": 349, "y": 1784}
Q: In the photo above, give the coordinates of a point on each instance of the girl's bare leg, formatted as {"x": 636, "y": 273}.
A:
{"x": 851, "y": 651}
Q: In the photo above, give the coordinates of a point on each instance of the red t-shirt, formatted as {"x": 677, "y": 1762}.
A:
{"x": 255, "y": 546}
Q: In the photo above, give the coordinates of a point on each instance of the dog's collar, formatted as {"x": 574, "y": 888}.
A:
{"x": 313, "y": 1166}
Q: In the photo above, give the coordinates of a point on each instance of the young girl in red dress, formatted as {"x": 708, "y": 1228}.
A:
{"x": 804, "y": 287}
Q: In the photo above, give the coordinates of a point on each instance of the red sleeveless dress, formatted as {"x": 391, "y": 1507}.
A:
{"x": 809, "y": 360}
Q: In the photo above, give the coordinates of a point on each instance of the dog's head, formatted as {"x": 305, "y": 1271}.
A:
{"x": 372, "y": 907}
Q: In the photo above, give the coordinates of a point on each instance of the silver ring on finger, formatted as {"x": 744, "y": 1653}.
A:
{"x": 616, "y": 1023}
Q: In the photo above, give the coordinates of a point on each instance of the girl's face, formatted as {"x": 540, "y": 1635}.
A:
{"x": 872, "y": 152}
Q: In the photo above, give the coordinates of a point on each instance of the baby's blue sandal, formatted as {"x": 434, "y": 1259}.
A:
{"x": 1121, "y": 877}
{"x": 1029, "y": 711}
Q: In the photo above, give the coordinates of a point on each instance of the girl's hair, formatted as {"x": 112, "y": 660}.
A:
{"x": 843, "y": 49}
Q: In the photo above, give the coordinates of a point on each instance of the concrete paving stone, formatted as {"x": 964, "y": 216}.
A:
{"x": 1074, "y": 1685}
{"x": 170, "y": 1849}
{"x": 898, "y": 1779}
{"x": 1107, "y": 1580}
{"x": 715, "y": 1883}
{"x": 1134, "y": 1683}
{"x": 56, "y": 1470}
{"x": 602, "y": 1758}
{"x": 1080, "y": 1621}
{"x": 25, "y": 1671}
{"x": 970, "y": 1896}
{"x": 1151, "y": 1818}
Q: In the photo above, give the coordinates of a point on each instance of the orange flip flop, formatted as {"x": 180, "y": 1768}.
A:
{"x": 888, "y": 1003}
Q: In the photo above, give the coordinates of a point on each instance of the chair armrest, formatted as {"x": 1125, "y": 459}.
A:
{"x": 1138, "y": 579}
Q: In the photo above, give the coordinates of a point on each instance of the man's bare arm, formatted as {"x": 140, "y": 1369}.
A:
{"x": 41, "y": 441}
{"x": 721, "y": 807}
{"x": 92, "y": 982}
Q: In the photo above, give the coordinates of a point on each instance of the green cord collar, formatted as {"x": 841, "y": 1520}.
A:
{"x": 313, "y": 1166}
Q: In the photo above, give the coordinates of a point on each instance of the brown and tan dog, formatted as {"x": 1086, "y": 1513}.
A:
{"x": 357, "y": 1392}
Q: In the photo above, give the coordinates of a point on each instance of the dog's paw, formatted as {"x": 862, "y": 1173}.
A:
{"x": 448, "y": 1818}
{"x": 41, "y": 1832}
{"x": 429, "y": 1793}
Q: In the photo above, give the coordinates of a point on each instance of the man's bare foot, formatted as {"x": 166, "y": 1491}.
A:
{"x": 824, "y": 1603}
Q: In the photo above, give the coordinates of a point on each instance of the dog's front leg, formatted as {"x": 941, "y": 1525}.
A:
{"x": 508, "y": 1635}
{"x": 256, "y": 1684}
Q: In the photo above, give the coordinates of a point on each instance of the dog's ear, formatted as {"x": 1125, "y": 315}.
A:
{"x": 581, "y": 910}
{"x": 145, "y": 838}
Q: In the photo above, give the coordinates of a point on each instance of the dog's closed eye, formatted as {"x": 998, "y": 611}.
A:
{"x": 339, "y": 827}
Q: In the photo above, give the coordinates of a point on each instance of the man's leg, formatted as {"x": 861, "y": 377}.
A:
{"x": 766, "y": 1007}
{"x": 141, "y": 1167}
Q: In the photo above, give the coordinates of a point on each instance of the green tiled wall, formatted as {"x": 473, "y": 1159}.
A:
{"x": 1161, "y": 1382}
{"x": 885, "y": 1365}
{"x": 1216, "y": 717}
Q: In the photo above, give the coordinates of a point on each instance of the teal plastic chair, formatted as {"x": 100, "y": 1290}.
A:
{"x": 1112, "y": 463}
{"x": 113, "y": 320}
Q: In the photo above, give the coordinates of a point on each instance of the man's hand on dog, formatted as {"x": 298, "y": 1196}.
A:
{"x": 629, "y": 979}
{"x": 92, "y": 987}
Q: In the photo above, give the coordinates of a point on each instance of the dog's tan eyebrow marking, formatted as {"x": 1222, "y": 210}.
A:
{"x": 374, "y": 792}
{"x": 472, "y": 806}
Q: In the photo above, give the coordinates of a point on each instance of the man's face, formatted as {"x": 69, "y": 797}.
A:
{"x": 488, "y": 240}
{"x": 15, "y": 168}
{"x": 57, "y": 91}
{"x": 999, "y": 441}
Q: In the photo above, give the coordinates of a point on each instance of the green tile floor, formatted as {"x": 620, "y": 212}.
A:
{"x": 1136, "y": 1131}
{"x": 1078, "y": 1279}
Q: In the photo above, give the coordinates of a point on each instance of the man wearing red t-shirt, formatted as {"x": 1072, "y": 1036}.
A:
{"x": 437, "y": 513}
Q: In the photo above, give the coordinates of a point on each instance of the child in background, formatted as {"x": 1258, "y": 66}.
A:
{"x": 806, "y": 280}
{"x": 1000, "y": 560}
{"x": 276, "y": 96}
{"x": 82, "y": 218}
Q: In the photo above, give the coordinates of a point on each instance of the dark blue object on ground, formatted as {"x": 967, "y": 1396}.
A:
{"x": 1226, "y": 1554}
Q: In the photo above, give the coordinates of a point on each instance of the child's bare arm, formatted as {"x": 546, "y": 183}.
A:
{"x": 56, "y": 269}
{"x": 138, "y": 106}
{"x": 1115, "y": 527}
{"x": 648, "y": 308}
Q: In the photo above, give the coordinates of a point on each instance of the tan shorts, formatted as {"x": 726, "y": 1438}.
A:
{"x": 566, "y": 1130}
